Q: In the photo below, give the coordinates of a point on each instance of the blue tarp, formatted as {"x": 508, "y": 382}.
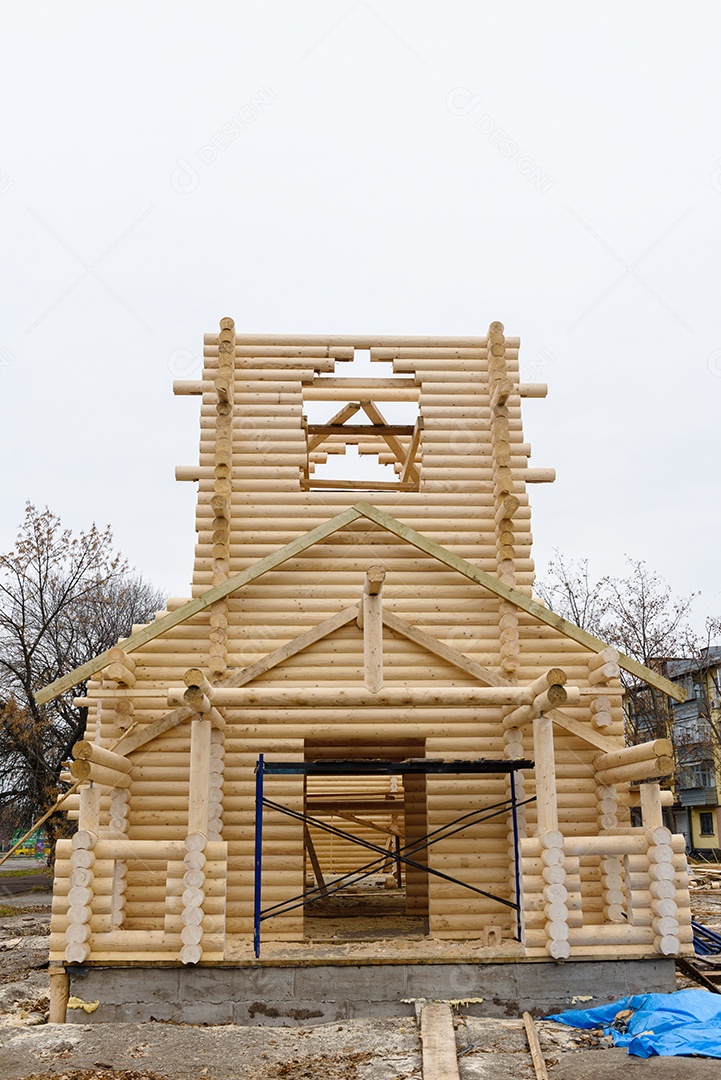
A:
{"x": 670, "y": 1025}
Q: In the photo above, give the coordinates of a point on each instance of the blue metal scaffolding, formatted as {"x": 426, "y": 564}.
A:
{"x": 374, "y": 767}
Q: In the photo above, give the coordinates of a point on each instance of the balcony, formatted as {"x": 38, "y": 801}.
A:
{"x": 701, "y": 796}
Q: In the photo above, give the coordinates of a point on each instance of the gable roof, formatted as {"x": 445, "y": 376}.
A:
{"x": 321, "y": 532}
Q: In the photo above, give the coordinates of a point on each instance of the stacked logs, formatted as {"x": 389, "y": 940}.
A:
{"x": 611, "y": 867}
{"x": 82, "y": 862}
{"x": 505, "y": 501}
{"x": 548, "y": 691}
{"x": 121, "y": 669}
{"x": 193, "y": 916}
{"x": 545, "y": 894}
{"x": 105, "y": 767}
{"x": 640, "y": 762}
{"x": 220, "y": 500}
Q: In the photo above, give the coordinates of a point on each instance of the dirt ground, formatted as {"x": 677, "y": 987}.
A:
{"x": 381, "y": 1049}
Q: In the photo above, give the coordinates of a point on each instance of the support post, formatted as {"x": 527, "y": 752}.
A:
{"x": 258, "y": 862}
{"x": 199, "y": 797}
{"x": 59, "y": 993}
{"x": 546, "y": 802}
{"x": 516, "y": 857}
{"x": 373, "y": 628}
{"x": 651, "y": 811}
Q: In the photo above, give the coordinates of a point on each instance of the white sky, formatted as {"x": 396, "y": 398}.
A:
{"x": 377, "y": 186}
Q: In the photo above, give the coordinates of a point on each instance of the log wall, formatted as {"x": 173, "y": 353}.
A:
{"x": 462, "y": 481}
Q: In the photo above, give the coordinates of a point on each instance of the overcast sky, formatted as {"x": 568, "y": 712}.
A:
{"x": 387, "y": 167}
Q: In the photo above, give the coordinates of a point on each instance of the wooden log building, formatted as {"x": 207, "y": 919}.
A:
{"x": 363, "y": 620}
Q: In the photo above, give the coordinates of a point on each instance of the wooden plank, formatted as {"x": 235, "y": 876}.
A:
{"x": 534, "y": 1046}
{"x": 506, "y": 592}
{"x": 200, "y": 603}
{"x": 439, "y": 1043}
{"x": 693, "y": 972}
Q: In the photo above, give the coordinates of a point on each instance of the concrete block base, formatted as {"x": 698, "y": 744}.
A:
{"x": 289, "y": 995}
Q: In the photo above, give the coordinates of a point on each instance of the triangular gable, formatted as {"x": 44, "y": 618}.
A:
{"x": 321, "y": 532}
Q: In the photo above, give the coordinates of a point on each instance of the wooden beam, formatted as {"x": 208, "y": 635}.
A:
{"x": 583, "y": 731}
{"x": 291, "y": 648}
{"x": 357, "y": 485}
{"x": 373, "y": 413}
{"x": 409, "y": 463}
{"x": 315, "y": 862}
{"x": 534, "y": 1045}
{"x": 519, "y": 599}
{"x": 340, "y": 804}
{"x": 367, "y": 824}
{"x": 433, "y": 645}
{"x": 140, "y": 736}
{"x": 384, "y": 430}
{"x": 491, "y": 678}
{"x": 543, "y": 753}
{"x": 200, "y": 603}
{"x": 339, "y": 419}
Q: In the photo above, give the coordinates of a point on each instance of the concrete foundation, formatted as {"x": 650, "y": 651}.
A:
{"x": 287, "y": 995}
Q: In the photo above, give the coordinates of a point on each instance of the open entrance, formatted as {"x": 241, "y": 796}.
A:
{"x": 379, "y": 859}
{"x": 354, "y": 900}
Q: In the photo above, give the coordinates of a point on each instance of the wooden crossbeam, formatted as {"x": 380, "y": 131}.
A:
{"x": 356, "y": 485}
{"x": 409, "y": 463}
{"x": 141, "y": 736}
{"x": 200, "y": 603}
{"x": 491, "y": 678}
{"x": 335, "y": 421}
{"x": 320, "y": 533}
{"x": 386, "y": 431}
{"x": 518, "y": 599}
{"x": 383, "y": 429}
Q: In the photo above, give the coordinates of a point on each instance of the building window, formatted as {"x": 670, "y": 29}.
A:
{"x": 706, "y": 818}
{"x": 695, "y": 775}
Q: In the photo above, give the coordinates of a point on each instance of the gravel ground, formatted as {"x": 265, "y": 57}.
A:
{"x": 381, "y": 1049}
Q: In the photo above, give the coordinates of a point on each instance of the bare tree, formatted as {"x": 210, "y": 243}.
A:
{"x": 63, "y": 600}
{"x": 638, "y": 615}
